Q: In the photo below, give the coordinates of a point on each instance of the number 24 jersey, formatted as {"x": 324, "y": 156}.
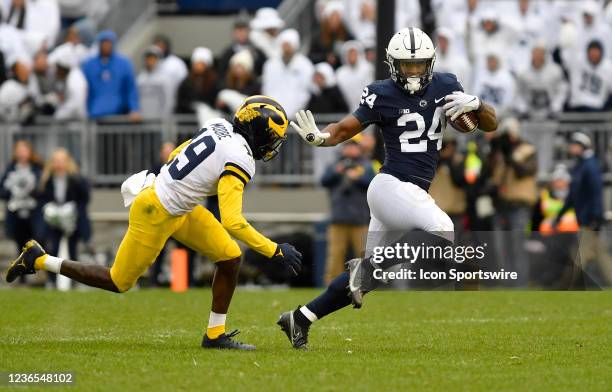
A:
{"x": 411, "y": 125}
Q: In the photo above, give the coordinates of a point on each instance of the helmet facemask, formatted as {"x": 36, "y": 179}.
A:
{"x": 269, "y": 145}
{"x": 413, "y": 75}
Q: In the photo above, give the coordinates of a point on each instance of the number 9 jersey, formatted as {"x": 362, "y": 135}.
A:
{"x": 411, "y": 125}
{"x": 195, "y": 167}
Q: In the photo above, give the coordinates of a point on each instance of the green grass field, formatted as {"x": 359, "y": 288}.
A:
{"x": 149, "y": 340}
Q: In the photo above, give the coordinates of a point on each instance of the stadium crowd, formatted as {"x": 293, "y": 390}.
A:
{"x": 528, "y": 58}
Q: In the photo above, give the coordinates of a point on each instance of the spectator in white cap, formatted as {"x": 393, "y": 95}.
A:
{"x": 240, "y": 82}
{"x": 72, "y": 41}
{"x": 451, "y": 59}
{"x": 496, "y": 85}
{"x": 154, "y": 86}
{"x": 330, "y": 35}
{"x": 355, "y": 73}
{"x": 265, "y": 27}
{"x": 19, "y": 94}
{"x": 287, "y": 77}
{"x": 70, "y": 85}
{"x": 200, "y": 86}
{"x": 529, "y": 26}
{"x": 541, "y": 88}
{"x": 325, "y": 97}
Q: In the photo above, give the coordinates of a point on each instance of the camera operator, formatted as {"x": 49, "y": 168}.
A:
{"x": 347, "y": 181}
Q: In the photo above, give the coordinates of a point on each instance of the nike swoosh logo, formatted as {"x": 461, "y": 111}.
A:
{"x": 438, "y": 100}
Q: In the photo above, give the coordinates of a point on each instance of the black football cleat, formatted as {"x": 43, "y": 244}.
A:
{"x": 225, "y": 341}
{"x": 355, "y": 282}
{"x": 24, "y": 264}
{"x": 297, "y": 334}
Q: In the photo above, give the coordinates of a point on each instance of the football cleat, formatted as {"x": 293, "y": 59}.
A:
{"x": 225, "y": 341}
{"x": 355, "y": 282}
{"x": 297, "y": 334}
{"x": 24, "y": 264}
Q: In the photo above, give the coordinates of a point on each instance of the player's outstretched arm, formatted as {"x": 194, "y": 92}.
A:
{"x": 333, "y": 134}
{"x": 230, "y": 191}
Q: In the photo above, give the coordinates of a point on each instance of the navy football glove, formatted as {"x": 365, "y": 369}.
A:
{"x": 289, "y": 256}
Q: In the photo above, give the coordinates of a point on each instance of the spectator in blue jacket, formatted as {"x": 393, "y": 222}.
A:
{"x": 111, "y": 81}
{"x": 347, "y": 181}
{"x": 586, "y": 197}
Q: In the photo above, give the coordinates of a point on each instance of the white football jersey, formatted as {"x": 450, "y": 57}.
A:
{"x": 194, "y": 173}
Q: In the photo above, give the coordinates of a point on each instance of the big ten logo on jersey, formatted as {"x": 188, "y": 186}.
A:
{"x": 367, "y": 97}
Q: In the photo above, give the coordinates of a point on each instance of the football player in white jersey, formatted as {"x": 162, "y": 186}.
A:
{"x": 219, "y": 159}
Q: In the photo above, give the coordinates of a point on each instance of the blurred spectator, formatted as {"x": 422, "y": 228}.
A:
{"x": 65, "y": 195}
{"x": 110, "y": 78}
{"x": 200, "y": 86}
{"x": 287, "y": 78}
{"x": 265, "y": 27}
{"x": 347, "y": 181}
{"x": 19, "y": 94}
{"x": 329, "y": 36}
{"x": 39, "y": 19}
{"x": 447, "y": 187}
{"x": 586, "y": 197}
{"x": 325, "y": 97}
{"x": 450, "y": 58}
{"x": 513, "y": 172}
{"x": 529, "y": 26}
{"x": 453, "y": 15}
{"x": 44, "y": 79}
{"x": 590, "y": 78}
{"x": 551, "y": 201}
{"x": 489, "y": 35}
{"x": 18, "y": 187}
{"x": 354, "y": 74}
{"x": 70, "y": 87}
{"x": 553, "y": 265}
{"x": 154, "y": 87}
{"x": 241, "y": 42}
{"x": 593, "y": 27}
{"x": 74, "y": 47}
{"x": 240, "y": 82}
{"x": 360, "y": 16}
{"x": 496, "y": 85}
{"x": 541, "y": 88}
{"x": 171, "y": 65}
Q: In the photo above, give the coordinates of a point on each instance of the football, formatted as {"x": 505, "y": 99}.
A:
{"x": 465, "y": 123}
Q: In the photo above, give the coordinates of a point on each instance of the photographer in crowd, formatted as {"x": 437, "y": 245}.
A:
{"x": 347, "y": 181}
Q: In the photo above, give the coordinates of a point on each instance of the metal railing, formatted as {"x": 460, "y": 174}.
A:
{"x": 108, "y": 151}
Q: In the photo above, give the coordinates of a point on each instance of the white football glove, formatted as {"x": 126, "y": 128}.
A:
{"x": 307, "y": 128}
{"x": 458, "y": 103}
